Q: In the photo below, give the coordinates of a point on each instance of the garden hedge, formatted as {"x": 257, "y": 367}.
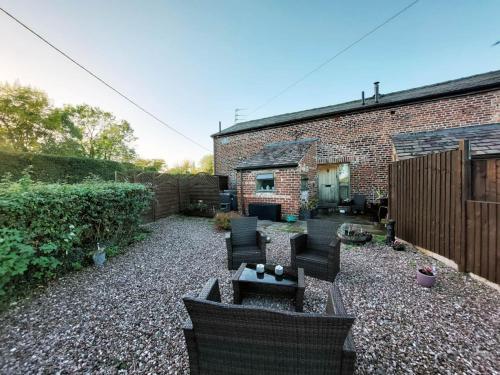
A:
{"x": 47, "y": 229}
{"x": 52, "y": 168}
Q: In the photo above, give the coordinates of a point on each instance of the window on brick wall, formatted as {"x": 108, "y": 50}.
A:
{"x": 265, "y": 182}
{"x": 304, "y": 183}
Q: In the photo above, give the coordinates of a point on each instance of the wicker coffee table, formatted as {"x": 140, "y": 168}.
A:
{"x": 247, "y": 282}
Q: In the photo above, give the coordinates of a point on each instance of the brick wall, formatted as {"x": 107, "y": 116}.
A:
{"x": 286, "y": 190}
{"x": 362, "y": 138}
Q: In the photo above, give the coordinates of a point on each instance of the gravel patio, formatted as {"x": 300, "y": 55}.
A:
{"x": 126, "y": 318}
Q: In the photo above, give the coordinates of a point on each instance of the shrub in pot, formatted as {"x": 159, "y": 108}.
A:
{"x": 398, "y": 246}
{"x": 426, "y": 276}
{"x": 222, "y": 220}
{"x": 308, "y": 209}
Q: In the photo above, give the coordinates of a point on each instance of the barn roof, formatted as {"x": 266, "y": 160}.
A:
{"x": 454, "y": 87}
{"x": 484, "y": 140}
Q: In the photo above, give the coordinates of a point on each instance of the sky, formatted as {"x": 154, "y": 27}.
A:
{"x": 192, "y": 63}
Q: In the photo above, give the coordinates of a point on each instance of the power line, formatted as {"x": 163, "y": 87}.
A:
{"x": 103, "y": 81}
{"x": 326, "y": 62}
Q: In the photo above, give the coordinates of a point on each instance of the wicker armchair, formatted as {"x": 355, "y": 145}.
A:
{"x": 245, "y": 244}
{"x": 234, "y": 339}
{"x": 318, "y": 251}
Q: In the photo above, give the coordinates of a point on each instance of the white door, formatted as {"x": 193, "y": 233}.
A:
{"x": 328, "y": 184}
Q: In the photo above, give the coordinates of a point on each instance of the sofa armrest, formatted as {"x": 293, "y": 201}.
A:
{"x": 334, "y": 254}
{"x": 229, "y": 239}
{"x": 211, "y": 291}
{"x": 191, "y": 346}
{"x": 298, "y": 243}
{"x": 229, "y": 247}
{"x": 261, "y": 241}
{"x": 335, "y": 306}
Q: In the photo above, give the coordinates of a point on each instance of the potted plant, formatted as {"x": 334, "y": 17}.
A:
{"x": 426, "y": 276}
{"x": 308, "y": 209}
{"x": 398, "y": 246}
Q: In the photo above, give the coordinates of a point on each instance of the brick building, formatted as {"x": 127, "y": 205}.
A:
{"x": 336, "y": 151}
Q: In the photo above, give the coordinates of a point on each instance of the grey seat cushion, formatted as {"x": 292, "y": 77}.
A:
{"x": 313, "y": 256}
{"x": 245, "y": 249}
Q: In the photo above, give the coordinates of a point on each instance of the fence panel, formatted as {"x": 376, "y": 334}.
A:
{"x": 486, "y": 180}
{"x": 483, "y": 243}
{"x": 174, "y": 193}
{"x": 425, "y": 200}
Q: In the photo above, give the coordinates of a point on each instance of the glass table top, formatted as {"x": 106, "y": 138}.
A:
{"x": 268, "y": 277}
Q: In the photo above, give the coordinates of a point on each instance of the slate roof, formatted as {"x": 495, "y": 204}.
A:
{"x": 281, "y": 154}
{"x": 453, "y": 87}
{"x": 484, "y": 140}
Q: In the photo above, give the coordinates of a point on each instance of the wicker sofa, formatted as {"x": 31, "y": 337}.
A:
{"x": 234, "y": 339}
{"x": 245, "y": 244}
{"x": 318, "y": 251}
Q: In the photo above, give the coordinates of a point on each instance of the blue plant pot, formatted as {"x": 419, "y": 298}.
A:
{"x": 99, "y": 258}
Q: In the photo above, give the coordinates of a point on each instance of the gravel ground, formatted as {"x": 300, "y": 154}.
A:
{"x": 126, "y": 318}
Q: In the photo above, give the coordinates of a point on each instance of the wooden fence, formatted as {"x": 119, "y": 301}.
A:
{"x": 486, "y": 180}
{"x": 448, "y": 204}
{"x": 483, "y": 241}
{"x": 175, "y": 193}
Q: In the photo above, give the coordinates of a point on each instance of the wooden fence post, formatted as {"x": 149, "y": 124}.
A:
{"x": 464, "y": 147}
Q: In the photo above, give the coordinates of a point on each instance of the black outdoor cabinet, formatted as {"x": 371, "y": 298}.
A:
{"x": 265, "y": 211}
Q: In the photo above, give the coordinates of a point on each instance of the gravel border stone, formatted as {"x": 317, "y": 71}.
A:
{"x": 127, "y": 317}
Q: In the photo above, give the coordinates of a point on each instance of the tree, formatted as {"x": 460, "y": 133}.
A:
{"x": 100, "y": 135}
{"x": 152, "y": 165}
{"x": 184, "y": 167}
{"x": 27, "y": 120}
{"x": 207, "y": 164}
{"x": 29, "y": 123}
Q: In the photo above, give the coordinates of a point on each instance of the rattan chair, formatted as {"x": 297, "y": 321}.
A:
{"x": 227, "y": 339}
{"x": 245, "y": 244}
{"x": 318, "y": 251}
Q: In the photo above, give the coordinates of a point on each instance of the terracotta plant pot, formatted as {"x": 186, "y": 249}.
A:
{"x": 425, "y": 280}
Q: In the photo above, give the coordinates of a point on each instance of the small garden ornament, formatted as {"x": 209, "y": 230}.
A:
{"x": 99, "y": 256}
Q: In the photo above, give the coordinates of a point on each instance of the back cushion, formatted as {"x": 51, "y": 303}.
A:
{"x": 320, "y": 234}
{"x": 233, "y": 339}
{"x": 243, "y": 231}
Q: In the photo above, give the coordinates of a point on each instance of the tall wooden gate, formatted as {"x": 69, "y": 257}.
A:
{"x": 450, "y": 205}
{"x": 426, "y": 201}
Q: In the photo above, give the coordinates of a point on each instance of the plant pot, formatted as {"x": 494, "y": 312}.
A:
{"x": 304, "y": 214}
{"x": 99, "y": 258}
{"x": 425, "y": 280}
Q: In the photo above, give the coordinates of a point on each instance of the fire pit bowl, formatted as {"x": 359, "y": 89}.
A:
{"x": 353, "y": 234}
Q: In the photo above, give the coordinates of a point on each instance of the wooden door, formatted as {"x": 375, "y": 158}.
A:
{"x": 328, "y": 184}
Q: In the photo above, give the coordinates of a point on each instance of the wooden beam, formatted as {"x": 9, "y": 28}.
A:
{"x": 464, "y": 147}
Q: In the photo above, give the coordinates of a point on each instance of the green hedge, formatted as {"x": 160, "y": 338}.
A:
{"x": 47, "y": 229}
{"x": 52, "y": 168}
